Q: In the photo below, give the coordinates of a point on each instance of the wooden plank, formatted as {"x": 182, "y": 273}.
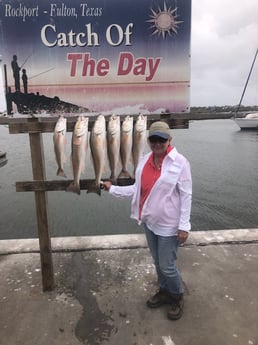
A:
{"x": 38, "y": 170}
{"x": 61, "y": 185}
{"x": 31, "y": 126}
{"x": 47, "y": 124}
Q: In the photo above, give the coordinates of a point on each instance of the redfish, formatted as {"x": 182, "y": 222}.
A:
{"x": 59, "y": 144}
{"x": 79, "y": 150}
{"x": 126, "y": 146}
{"x": 113, "y": 144}
{"x": 98, "y": 145}
{"x": 139, "y": 139}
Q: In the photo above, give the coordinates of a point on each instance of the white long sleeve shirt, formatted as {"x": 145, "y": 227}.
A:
{"x": 167, "y": 209}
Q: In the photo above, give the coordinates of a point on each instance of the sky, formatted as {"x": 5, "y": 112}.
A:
{"x": 224, "y": 42}
{"x": 224, "y": 39}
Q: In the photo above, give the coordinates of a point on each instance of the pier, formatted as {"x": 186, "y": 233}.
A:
{"x": 102, "y": 284}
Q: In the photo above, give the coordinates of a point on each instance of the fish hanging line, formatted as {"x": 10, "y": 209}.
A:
{"x": 250, "y": 72}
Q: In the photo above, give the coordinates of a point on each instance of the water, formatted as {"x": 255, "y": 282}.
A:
{"x": 224, "y": 164}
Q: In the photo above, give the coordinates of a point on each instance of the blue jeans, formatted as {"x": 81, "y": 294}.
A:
{"x": 164, "y": 252}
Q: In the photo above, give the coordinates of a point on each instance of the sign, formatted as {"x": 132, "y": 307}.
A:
{"x": 103, "y": 56}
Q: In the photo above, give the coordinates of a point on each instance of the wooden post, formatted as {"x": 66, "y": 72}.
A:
{"x": 38, "y": 171}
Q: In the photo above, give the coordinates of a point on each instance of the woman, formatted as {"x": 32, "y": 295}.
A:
{"x": 161, "y": 200}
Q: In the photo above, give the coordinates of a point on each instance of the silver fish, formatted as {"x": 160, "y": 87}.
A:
{"x": 139, "y": 139}
{"x": 113, "y": 144}
{"x": 126, "y": 146}
{"x": 79, "y": 150}
{"x": 59, "y": 144}
{"x": 98, "y": 145}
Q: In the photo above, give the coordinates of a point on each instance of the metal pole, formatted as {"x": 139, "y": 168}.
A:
{"x": 247, "y": 81}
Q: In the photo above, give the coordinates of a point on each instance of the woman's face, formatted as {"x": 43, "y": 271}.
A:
{"x": 159, "y": 145}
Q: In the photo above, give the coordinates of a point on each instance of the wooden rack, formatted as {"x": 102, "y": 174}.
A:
{"x": 35, "y": 127}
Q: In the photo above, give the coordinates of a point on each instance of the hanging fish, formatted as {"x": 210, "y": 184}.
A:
{"x": 113, "y": 144}
{"x": 139, "y": 139}
{"x": 126, "y": 146}
{"x": 98, "y": 145}
{"x": 59, "y": 144}
{"x": 79, "y": 150}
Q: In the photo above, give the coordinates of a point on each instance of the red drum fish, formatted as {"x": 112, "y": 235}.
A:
{"x": 79, "y": 150}
{"x": 59, "y": 144}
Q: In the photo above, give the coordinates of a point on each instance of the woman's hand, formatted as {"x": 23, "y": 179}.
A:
{"x": 182, "y": 236}
{"x": 106, "y": 185}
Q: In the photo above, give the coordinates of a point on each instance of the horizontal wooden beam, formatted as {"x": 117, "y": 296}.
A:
{"x": 61, "y": 185}
{"x": 47, "y": 124}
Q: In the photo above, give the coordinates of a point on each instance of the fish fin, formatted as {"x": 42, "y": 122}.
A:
{"x": 74, "y": 188}
{"x": 113, "y": 179}
{"x": 124, "y": 174}
{"x": 94, "y": 189}
{"x": 60, "y": 172}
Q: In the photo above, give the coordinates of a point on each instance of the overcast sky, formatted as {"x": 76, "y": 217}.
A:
{"x": 224, "y": 42}
{"x": 223, "y": 45}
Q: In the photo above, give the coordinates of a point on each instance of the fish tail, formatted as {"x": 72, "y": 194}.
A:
{"x": 60, "y": 172}
{"x": 94, "y": 188}
{"x": 74, "y": 188}
{"x": 124, "y": 174}
{"x": 113, "y": 177}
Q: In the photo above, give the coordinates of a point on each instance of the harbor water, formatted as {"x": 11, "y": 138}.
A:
{"x": 224, "y": 163}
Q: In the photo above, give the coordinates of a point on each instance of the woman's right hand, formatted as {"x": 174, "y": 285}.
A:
{"x": 106, "y": 185}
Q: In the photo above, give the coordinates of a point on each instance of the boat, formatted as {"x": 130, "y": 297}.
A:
{"x": 3, "y": 159}
{"x": 250, "y": 121}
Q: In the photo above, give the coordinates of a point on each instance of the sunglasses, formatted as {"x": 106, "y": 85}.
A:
{"x": 155, "y": 139}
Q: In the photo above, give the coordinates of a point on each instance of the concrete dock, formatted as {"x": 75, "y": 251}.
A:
{"x": 102, "y": 284}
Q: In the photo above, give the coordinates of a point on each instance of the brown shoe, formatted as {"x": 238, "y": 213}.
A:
{"x": 176, "y": 310}
{"x": 160, "y": 298}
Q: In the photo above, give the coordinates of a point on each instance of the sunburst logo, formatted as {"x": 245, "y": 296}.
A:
{"x": 164, "y": 22}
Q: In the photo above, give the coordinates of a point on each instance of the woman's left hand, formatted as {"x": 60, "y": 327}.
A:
{"x": 182, "y": 236}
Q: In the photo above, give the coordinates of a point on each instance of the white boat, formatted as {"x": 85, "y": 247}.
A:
{"x": 250, "y": 121}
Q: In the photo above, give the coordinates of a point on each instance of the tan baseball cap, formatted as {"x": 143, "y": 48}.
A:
{"x": 159, "y": 129}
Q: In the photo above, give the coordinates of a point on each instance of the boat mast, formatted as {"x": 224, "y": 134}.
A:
{"x": 247, "y": 81}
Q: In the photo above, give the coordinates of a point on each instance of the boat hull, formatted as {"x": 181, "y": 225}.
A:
{"x": 244, "y": 123}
